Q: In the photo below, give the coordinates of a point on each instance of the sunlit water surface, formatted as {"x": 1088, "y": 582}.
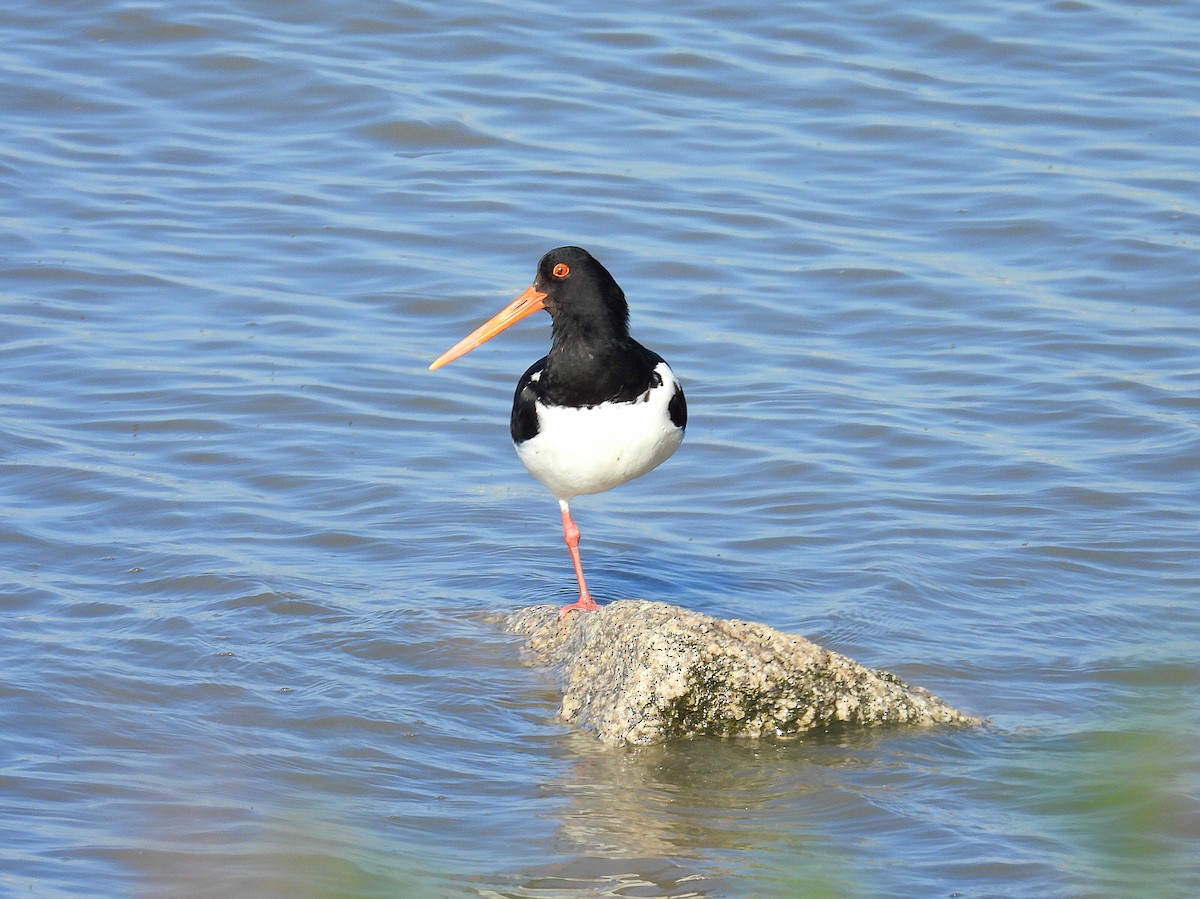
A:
{"x": 930, "y": 278}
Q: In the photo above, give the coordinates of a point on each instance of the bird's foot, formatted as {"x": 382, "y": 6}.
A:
{"x": 585, "y": 604}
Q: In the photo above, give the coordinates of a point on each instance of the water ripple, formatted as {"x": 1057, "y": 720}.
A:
{"x": 928, "y": 276}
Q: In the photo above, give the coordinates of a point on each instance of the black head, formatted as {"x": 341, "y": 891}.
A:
{"x": 584, "y": 300}
{"x": 588, "y": 308}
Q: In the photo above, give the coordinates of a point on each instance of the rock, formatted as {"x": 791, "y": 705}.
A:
{"x": 644, "y": 672}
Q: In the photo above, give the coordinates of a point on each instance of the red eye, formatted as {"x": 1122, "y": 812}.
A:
{"x": 561, "y": 270}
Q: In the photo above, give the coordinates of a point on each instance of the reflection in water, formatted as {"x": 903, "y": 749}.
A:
{"x": 683, "y": 819}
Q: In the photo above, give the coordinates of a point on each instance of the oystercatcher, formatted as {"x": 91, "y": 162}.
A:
{"x": 599, "y": 409}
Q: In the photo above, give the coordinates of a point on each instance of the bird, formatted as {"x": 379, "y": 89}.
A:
{"x": 599, "y": 409}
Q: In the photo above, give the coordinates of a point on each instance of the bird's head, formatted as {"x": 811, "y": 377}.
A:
{"x": 581, "y": 296}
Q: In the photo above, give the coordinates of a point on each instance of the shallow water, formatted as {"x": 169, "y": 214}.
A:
{"x": 930, "y": 279}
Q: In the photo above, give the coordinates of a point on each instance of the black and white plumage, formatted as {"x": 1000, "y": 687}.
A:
{"x": 599, "y": 409}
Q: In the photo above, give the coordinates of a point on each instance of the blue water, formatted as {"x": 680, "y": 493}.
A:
{"x": 929, "y": 276}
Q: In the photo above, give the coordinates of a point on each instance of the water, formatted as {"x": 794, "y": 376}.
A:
{"x": 930, "y": 278}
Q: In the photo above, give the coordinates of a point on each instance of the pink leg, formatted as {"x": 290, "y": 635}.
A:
{"x": 571, "y": 534}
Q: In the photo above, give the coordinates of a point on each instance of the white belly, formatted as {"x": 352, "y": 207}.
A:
{"x": 596, "y": 448}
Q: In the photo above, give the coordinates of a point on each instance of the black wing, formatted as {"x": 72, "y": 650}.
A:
{"x": 524, "y": 423}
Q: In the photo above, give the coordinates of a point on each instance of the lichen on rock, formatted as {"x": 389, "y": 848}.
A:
{"x": 644, "y": 672}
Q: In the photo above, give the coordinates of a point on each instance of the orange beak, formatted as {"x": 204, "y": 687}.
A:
{"x": 523, "y": 306}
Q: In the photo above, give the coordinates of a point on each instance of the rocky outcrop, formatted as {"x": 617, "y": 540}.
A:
{"x": 645, "y": 672}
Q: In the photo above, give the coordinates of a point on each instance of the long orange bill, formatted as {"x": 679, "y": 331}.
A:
{"x": 523, "y": 306}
